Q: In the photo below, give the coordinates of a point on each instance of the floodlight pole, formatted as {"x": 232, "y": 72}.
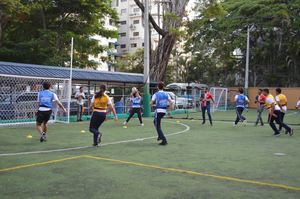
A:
{"x": 146, "y": 96}
{"x": 247, "y": 61}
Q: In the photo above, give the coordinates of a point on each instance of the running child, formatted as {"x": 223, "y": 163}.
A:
{"x": 135, "y": 100}
{"x": 274, "y": 114}
{"x": 45, "y": 100}
{"x": 99, "y": 104}
{"x": 241, "y": 100}
{"x": 160, "y": 100}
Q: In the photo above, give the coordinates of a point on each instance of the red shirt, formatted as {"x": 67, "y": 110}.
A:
{"x": 261, "y": 99}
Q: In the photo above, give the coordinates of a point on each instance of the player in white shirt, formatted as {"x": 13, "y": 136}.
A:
{"x": 80, "y": 96}
{"x": 274, "y": 114}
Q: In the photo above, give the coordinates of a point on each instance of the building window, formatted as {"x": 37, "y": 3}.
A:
{"x": 123, "y": 45}
{"x": 136, "y": 10}
{"x": 136, "y": 34}
{"x": 123, "y": 22}
{"x": 134, "y": 45}
{"x": 122, "y": 34}
{"x": 110, "y": 22}
{"x": 136, "y": 21}
{"x": 123, "y": 11}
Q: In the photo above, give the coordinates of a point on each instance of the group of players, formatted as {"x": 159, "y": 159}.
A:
{"x": 161, "y": 101}
{"x": 100, "y": 103}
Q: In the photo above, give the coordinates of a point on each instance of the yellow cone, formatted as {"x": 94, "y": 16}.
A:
{"x": 178, "y": 121}
{"x": 125, "y": 127}
{"x": 29, "y": 136}
{"x": 82, "y": 131}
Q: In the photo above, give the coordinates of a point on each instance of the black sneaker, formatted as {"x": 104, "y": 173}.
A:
{"x": 163, "y": 143}
{"x": 158, "y": 138}
{"x": 96, "y": 145}
{"x": 291, "y": 132}
{"x": 203, "y": 123}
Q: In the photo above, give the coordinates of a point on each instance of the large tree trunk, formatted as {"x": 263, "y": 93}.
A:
{"x": 160, "y": 58}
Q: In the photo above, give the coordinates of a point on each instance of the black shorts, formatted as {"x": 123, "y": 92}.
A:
{"x": 43, "y": 116}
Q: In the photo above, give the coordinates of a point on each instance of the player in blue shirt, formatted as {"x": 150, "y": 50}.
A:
{"x": 160, "y": 100}
{"x": 241, "y": 100}
{"x": 45, "y": 100}
{"x": 136, "y": 107}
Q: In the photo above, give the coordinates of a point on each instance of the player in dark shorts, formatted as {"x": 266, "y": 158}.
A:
{"x": 45, "y": 100}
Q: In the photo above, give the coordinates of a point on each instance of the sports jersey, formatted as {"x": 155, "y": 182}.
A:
{"x": 271, "y": 100}
{"x": 161, "y": 99}
{"x": 208, "y": 97}
{"x": 261, "y": 99}
{"x": 101, "y": 103}
{"x": 298, "y": 104}
{"x": 136, "y": 102}
{"x": 282, "y": 100}
{"x": 241, "y": 100}
{"x": 45, "y": 99}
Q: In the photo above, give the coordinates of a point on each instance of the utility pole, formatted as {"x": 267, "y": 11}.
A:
{"x": 247, "y": 61}
{"x": 146, "y": 96}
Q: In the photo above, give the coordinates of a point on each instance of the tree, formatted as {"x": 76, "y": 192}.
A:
{"x": 175, "y": 11}
{"x": 43, "y": 35}
{"x": 133, "y": 63}
{"x": 221, "y": 29}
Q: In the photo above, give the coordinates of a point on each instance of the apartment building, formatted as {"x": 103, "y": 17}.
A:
{"x": 131, "y": 25}
{"x": 105, "y": 59}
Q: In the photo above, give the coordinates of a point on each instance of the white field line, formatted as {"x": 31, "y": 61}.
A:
{"x": 187, "y": 128}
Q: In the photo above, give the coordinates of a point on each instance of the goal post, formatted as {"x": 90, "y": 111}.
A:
{"x": 220, "y": 97}
{"x": 19, "y": 99}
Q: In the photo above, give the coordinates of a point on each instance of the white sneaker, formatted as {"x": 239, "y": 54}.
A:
{"x": 234, "y": 125}
{"x": 125, "y": 123}
{"x": 142, "y": 124}
{"x": 245, "y": 123}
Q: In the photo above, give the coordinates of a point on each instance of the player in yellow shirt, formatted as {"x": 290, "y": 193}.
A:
{"x": 99, "y": 104}
{"x": 281, "y": 100}
{"x": 274, "y": 113}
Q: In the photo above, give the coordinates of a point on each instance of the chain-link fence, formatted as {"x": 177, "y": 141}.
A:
{"x": 19, "y": 99}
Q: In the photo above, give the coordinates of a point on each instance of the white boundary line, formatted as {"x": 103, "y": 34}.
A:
{"x": 187, "y": 128}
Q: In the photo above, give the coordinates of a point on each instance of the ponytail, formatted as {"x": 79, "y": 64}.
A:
{"x": 101, "y": 92}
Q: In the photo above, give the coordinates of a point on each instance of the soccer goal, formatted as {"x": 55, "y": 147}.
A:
{"x": 220, "y": 97}
{"x": 19, "y": 95}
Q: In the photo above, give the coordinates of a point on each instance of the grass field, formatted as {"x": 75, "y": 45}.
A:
{"x": 199, "y": 162}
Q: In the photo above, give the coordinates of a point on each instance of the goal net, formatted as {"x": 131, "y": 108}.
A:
{"x": 19, "y": 99}
{"x": 220, "y": 97}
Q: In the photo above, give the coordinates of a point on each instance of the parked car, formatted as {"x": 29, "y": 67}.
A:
{"x": 25, "y": 105}
{"x": 179, "y": 102}
{"x": 22, "y": 105}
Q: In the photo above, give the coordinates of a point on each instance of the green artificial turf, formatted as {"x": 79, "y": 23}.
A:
{"x": 242, "y": 152}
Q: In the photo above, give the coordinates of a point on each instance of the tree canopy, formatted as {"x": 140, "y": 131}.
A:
{"x": 39, "y": 31}
{"x": 221, "y": 29}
